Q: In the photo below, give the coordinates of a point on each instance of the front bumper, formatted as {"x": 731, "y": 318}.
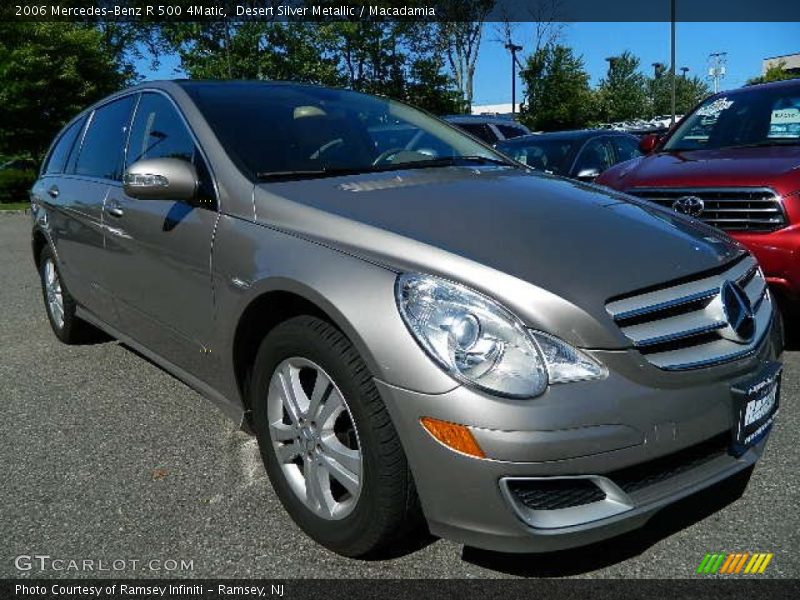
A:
{"x": 602, "y": 432}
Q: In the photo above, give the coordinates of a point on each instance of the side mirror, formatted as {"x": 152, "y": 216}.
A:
{"x": 649, "y": 142}
{"x": 588, "y": 174}
{"x": 160, "y": 179}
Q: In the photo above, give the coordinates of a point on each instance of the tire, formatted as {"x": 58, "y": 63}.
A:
{"x": 353, "y": 518}
{"x": 59, "y": 304}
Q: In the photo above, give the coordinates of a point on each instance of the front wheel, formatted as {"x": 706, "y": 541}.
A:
{"x": 328, "y": 444}
{"x": 60, "y": 305}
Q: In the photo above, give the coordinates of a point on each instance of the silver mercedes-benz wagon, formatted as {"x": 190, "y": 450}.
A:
{"x": 419, "y": 331}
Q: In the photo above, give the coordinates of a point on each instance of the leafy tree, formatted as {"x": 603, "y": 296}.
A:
{"x": 393, "y": 58}
{"x": 429, "y": 88}
{"x": 622, "y": 94}
{"x": 689, "y": 91}
{"x": 459, "y": 38}
{"x": 777, "y": 72}
{"x": 48, "y": 73}
{"x": 216, "y": 50}
{"x": 557, "y": 89}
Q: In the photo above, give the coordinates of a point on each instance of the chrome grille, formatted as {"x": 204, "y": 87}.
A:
{"x": 731, "y": 209}
{"x": 684, "y": 326}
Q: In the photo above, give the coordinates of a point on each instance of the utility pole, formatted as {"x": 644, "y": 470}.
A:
{"x": 672, "y": 59}
{"x": 716, "y": 69}
{"x": 513, "y": 48}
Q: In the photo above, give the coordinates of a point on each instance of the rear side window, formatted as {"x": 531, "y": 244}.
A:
{"x": 101, "y": 152}
{"x": 61, "y": 151}
{"x": 509, "y": 131}
{"x": 479, "y": 130}
{"x": 596, "y": 154}
{"x": 626, "y": 148}
{"x": 158, "y": 132}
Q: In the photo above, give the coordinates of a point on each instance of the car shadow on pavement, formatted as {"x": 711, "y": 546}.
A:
{"x": 663, "y": 524}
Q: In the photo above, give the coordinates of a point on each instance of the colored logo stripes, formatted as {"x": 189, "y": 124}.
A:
{"x": 734, "y": 563}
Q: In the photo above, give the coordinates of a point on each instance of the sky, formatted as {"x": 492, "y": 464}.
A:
{"x": 746, "y": 44}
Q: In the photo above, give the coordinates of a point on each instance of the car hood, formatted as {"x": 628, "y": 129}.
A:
{"x": 775, "y": 166}
{"x": 540, "y": 244}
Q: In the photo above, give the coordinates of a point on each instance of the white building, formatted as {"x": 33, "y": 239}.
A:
{"x": 791, "y": 62}
{"x": 494, "y": 109}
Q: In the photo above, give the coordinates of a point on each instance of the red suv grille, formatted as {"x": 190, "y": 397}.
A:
{"x": 731, "y": 209}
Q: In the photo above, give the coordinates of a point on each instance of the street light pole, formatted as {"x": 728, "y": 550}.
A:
{"x": 672, "y": 58}
{"x": 513, "y": 48}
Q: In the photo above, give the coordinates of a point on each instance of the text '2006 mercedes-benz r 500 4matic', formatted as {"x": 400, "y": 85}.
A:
{"x": 419, "y": 331}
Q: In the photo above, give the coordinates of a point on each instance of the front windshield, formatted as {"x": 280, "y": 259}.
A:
{"x": 277, "y": 130}
{"x": 755, "y": 117}
{"x": 544, "y": 153}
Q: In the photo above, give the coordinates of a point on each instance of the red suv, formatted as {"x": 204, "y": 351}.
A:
{"x": 734, "y": 162}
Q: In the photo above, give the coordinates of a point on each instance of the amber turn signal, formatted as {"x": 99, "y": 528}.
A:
{"x": 454, "y": 436}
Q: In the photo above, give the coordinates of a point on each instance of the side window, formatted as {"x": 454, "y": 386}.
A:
{"x": 61, "y": 151}
{"x": 159, "y": 132}
{"x": 101, "y": 152}
{"x": 784, "y": 119}
{"x": 625, "y": 148}
{"x": 480, "y": 130}
{"x": 596, "y": 154}
{"x": 509, "y": 131}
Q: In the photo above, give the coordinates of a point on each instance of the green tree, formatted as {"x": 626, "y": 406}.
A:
{"x": 392, "y": 58}
{"x": 777, "y": 72}
{"x": 557, "y": 90}
{"x": 48, "y": 73}
{"x": 428, "y": 87}
{"x": 216, "y": 50}
{"x": 689, "y": 91}
{"x": 622, "y": 93}
{"x": 396, "y": 59}
{"x": 459, "y": 34}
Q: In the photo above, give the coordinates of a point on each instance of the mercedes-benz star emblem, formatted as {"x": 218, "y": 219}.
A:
{"x": 738, "y": 311}
{"x": 689, "y": 205}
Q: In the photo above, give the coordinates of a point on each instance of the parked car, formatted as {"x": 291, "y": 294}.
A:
{"x": 521, "y": 361}
{"x": 489, "y": 129}
{"x": 734, "y": 163}
{"x": 581, "y": 154}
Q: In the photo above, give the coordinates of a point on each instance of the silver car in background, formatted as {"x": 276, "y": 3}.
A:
{"x": 419, "y": 333}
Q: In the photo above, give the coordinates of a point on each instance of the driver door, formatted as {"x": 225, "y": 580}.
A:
{"x": 162, "y": 248}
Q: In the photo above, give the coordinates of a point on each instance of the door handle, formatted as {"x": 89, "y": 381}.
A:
{"x": 115, "y": 210}
{"x": 53, "y": 191}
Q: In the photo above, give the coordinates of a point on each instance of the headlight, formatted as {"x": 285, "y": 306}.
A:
{"x": 484, "y": 345}
{"x": 566, "y": 363}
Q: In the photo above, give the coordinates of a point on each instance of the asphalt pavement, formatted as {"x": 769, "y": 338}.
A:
{"x": 106, "y": 458}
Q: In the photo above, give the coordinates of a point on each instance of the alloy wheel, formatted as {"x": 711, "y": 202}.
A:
{"x": 314, "y": 438}
{"x": 52, "y": 289}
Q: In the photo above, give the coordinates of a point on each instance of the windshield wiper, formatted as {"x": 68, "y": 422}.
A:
{"x": 445, "y": 161}
{"x": 310, "y": 173}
